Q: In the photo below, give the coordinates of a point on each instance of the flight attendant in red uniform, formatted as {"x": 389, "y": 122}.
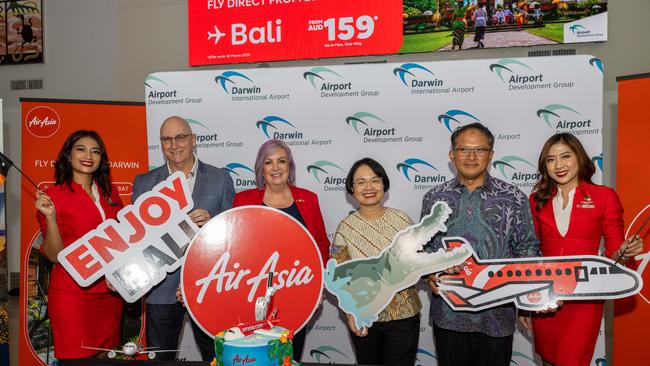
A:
{"x": 81, "y": 199}
{"x": 571, "y": 215}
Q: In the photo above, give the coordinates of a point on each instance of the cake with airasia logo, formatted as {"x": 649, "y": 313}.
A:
{"x": 264, "y": 347}
{"x": 259, "y": 343}
{"x": 235, "y": 263}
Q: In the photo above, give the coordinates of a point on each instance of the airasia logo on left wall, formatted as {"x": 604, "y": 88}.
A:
{"x": 42, "y": 122}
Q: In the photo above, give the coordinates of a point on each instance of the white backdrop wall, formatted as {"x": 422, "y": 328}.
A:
{"x": 402, "y": 115}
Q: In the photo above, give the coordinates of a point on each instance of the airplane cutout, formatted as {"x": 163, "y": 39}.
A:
{"x": 259, "y": 327}
{"x": 534, "y": 283}
{"x": 131, "y": 350}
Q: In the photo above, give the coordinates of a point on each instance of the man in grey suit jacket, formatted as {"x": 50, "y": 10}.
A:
{"x": 213, "y": 192}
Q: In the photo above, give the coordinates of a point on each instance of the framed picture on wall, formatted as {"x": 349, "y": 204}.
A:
{"x": 21, "y": 32}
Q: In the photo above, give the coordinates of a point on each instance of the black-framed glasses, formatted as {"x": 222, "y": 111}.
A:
{"x": 179, "y": 139}
{"x": 466, "y": 151}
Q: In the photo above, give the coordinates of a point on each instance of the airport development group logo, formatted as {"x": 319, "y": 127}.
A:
{"x": 454, "y": 118}
{"x": 520, "y": 76}
{"x": 332, "y": 85}
{"x": 321, "y": 78}
{"x": 375, "y": 130}
{"x": 160, "y": 92}
{"x": 579, "y": 29}
{"x": 364, "y": 118}
{"x": 328, "y": 354}
{"x": 518, "y": 171}
{"x": 330, "y": 175}
{"x": 563, "y": 118}
{"x": 242, "y": 176}
{"x": 422, "y": 174}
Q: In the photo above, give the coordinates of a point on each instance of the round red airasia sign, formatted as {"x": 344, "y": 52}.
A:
{"x": 227, "y": 265}
{"x": 42, "y": 122}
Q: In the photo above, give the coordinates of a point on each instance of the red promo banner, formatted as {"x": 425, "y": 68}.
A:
{"x": 236, "y": 31}
{"x": 631, "y": 314}
{"x": 45, "y": 126}
{"x": 227, "y": 265}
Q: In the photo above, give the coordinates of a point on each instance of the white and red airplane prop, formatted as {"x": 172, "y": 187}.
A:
{"x": 534, "y": 283}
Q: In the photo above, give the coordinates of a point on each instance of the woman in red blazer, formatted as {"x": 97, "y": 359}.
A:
{"x": 81, "y": 199}
{"x": 571, "y": 215}
{"x": 275, "y": 173}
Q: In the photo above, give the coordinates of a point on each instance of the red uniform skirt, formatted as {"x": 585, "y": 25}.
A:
{"x": 91, "y": 319}
{"x": 568, "y": 336}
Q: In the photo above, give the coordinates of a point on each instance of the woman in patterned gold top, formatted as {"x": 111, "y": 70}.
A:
{"x": 393, "y": 339}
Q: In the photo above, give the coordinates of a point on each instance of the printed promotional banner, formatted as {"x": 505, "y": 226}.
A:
{"x": 224, "y": 32}
{"x": 633, "y": 132}
{"x": 45, "y": 126}
{"x": 400, "y": 114}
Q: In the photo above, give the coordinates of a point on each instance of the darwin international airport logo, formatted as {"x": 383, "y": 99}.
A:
{"x": 243, "y": 177}
{"x": 330, "y": 175}
{"x": 424, "y": 357}
{"x": 517, "y": 170}
{"x": 325, "y": 354}
{"x": 269, "y": 126}
{"x": 409, "y": 74}
{"x": 235, "y": 82}
{"x": 597, "y": 63}
{"x": 454, "y": 118}
{"x": 421, "y": 173}
{"x": 563, "y": 118}
{"x": 598, "y": 161}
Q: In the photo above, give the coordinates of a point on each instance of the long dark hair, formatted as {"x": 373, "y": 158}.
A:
{"x": 546, "y": 185}
{"x": 63, "y": 168}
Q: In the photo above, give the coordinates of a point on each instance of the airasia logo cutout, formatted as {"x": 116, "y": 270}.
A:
{"x": 227, "y": 265}
{"x": 42, "y": 122}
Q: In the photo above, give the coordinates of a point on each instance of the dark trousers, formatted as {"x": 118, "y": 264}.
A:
{"x": 164, "y": 324}
{"x": 471, "y": 348}
{"x": 389, "y": 343}
{"x": 298, "y": 343}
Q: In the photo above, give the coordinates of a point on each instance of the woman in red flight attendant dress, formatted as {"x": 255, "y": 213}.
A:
{"x": 81, "y": 199}
{"x": 571, "y": 215}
